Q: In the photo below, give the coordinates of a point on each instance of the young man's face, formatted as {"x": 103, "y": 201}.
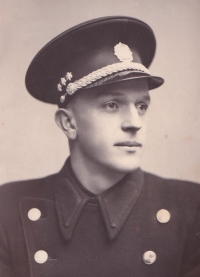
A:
{"x": 111, "y": 124}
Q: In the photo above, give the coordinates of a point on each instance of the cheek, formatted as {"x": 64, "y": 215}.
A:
{"x": 97, "y": 130}
{"x": 88, "y": 130}
{"x": 107, "y": 130}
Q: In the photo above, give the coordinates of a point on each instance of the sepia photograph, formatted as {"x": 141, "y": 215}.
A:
{"x": 99, "y": 140}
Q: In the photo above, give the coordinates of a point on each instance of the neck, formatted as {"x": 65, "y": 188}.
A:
{"x": 94, "y": 178}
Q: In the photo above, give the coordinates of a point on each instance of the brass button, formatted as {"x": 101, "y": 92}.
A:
{"x": 41, "y": 256}
{"x": 34, "y": 214}
{"x": 149, "y": 257}
{"x": 163, "y": 216}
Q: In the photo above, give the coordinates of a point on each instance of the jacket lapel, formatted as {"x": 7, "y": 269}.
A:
{"x": 117, "y": 202}
{"x": 69, "y": 204}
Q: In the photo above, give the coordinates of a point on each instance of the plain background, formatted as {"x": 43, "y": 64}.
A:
{"x": 31, "y": 145}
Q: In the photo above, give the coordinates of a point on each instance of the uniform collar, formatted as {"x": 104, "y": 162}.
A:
{"x": 116, "y": 203}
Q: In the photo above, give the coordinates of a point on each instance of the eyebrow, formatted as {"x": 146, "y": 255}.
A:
{"x": 147, "y": 97}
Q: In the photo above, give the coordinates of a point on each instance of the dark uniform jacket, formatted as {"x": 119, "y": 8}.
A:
{"x": 53, "y": 227}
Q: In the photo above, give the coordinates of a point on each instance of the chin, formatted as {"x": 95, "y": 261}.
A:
{"x": 126, "y": 166}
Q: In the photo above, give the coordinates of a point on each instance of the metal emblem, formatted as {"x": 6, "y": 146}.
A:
{"x": 123, "y": 52}
{"x": 63, "y": 82}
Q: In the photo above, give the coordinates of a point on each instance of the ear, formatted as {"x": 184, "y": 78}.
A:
{"x": 65, "y": 120}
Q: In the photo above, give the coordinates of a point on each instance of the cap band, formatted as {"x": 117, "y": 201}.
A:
{"x": 103, "y": 72}
{"x": 98, "y": 74}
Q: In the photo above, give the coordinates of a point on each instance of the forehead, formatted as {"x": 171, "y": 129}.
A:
{"x": 132, "y": 90}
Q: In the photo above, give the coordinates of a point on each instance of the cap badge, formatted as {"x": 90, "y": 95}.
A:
{"x": 123, "y": 52}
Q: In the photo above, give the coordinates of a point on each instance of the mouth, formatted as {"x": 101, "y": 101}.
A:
{"x": 128, "y": 144}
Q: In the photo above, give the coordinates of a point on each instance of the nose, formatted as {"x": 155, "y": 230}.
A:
{"x": 132, "y": 121}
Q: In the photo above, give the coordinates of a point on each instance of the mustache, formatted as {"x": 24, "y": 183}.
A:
{"x": 129, "y": 143}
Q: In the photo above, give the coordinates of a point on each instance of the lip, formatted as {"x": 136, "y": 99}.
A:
{"x": 128, "y": 144}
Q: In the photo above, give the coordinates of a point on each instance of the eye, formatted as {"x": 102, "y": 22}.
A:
{"x": 142, "y": 108}
{"x": 111, "y": 106}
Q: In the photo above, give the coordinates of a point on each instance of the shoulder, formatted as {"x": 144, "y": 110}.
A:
{"x": 14, "y": 191}
{"x": 155, "y": 179}
{"x": 172, "y": 188}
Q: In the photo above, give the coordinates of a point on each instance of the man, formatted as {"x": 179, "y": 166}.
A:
{"x": 101, "y": 215}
